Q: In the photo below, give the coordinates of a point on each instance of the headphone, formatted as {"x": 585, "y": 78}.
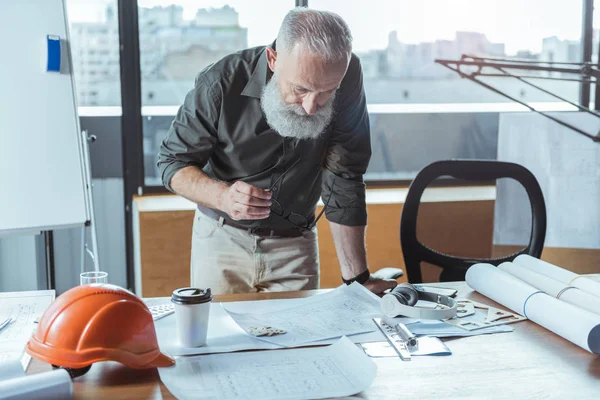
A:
{"x": 402, "y": 299}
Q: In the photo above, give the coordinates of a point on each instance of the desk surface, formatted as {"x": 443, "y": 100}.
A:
{"x": 529, "y": 363}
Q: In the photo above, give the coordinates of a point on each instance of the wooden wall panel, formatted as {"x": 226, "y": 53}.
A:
{"x": 462, "y": 228}
{"x": 165, "y": 247}
{"x": 383, "y": 243}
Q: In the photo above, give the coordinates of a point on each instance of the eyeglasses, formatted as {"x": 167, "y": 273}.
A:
{"x": 295, "y": 219}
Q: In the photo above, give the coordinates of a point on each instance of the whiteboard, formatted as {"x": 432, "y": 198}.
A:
{"x": 567, "y": 166}
{"x": 42, "y": 180}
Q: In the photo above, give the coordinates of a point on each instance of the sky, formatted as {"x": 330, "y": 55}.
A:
{"x": 520, "y": 24}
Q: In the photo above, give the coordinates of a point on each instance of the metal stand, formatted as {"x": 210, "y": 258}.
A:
{"x": 49, "y": 256}
{"x": 93, "y": 253}
{"x": 471, "y": 68}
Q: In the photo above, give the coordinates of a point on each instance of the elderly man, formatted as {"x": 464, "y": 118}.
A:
{"x": 264, "y": 133}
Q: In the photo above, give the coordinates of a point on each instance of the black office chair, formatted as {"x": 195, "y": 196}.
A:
{"x": 455, "y": 268}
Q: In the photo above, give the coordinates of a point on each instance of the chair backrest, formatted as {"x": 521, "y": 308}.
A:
{"x": 455, "y": 268}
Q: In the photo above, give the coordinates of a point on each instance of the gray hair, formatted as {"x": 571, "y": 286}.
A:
{"x": 322, "y": 32}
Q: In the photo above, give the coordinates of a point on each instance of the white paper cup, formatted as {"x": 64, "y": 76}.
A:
{"x": 192, "y": 309}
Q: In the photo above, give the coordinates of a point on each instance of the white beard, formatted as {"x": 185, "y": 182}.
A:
{"x": 290, "y": 120}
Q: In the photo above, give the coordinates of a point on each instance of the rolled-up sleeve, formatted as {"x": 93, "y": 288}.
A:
{"x": 192, "y": 136}
{"x": 348, "y": 153}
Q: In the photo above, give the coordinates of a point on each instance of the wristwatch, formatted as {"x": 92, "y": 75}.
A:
{"x": 360, "y": 278}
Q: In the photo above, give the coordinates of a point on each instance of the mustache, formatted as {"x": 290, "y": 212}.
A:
{"x": 297, "y": 109}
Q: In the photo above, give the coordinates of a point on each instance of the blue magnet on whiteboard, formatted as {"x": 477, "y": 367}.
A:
{"x": 53, "y": 53}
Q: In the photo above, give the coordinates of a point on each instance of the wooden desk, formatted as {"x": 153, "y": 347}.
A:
{"x": 529, "y": 363}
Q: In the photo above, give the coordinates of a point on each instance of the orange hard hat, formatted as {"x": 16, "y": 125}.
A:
{"x": 97, "y": 322}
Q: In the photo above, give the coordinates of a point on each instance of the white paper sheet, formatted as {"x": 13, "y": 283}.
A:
{"x": 572, "y": 323}
{"x": 554, "y": 288}
{"x": 338, "y": 370}
{"x": 557, "y": 273}
{"x": 346, "y": 310}
{"x": 567, "y": 167}
{"x": 224, "y": 335}
{"x": 23, "y": 308}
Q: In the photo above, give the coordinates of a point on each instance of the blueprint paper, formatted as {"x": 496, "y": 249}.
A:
{"x": 567, "y": 167}
{"x": 572, "y": 323}
{"x": 225, "y": 335}
{"x": 23, "y": 308}
{"x": 554, "y": 288}
{"x": 338, "y": 370}
{"x": 346, "y": 310}
{"x": 560, "y": 274}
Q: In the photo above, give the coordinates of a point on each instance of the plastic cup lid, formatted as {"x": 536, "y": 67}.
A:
{"x": 191, "y": 295}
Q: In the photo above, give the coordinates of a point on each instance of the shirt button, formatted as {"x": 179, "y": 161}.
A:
{"x": 275, "y": 189}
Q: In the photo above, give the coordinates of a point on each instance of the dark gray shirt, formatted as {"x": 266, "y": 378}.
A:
{"x": 221, "y": 128}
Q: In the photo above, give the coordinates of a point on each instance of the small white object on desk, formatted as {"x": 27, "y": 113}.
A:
{"x": 427, "y": 346}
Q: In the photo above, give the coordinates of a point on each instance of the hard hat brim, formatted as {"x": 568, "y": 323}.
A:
{"x": 162, "y": 360}
{"x": 74, "y": 359}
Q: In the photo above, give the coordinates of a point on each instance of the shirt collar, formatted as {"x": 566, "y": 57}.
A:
{"x": 259, "y": 77}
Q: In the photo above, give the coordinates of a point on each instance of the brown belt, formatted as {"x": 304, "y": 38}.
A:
{"x": 264, "y": 232}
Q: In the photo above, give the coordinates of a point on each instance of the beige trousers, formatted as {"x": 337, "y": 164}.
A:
{"x": 231, "y": 260}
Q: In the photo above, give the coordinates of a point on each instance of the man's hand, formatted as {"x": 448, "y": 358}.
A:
{"x": 378, "y": 285}
{"x": 243, "y": 201}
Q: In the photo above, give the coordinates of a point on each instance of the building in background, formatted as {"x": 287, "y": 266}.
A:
{"x": 95, "y": 53}
{"x": 173, "y": 50}
{"x": 416, "y": 61}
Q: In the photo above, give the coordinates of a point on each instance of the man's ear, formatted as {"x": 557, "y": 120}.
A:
{"x": 271, "y": 58}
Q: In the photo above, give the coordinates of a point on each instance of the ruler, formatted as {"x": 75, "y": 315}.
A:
{"x": 393, "y": 338}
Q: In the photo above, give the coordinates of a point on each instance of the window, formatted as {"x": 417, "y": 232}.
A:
{"x": 400, "y": 40}
{"x": 422, "y": 112}
{"x": 178, "y": 39}
{"x": 94, "y": 28}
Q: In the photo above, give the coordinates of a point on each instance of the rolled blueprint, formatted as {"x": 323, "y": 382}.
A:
{"x": 11, "y": 369}
{"x": 551, "y": 287}
{"x": 559, "y": 274}
{"x": 52, "y": 385}
{"x": 572, "y": 323}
